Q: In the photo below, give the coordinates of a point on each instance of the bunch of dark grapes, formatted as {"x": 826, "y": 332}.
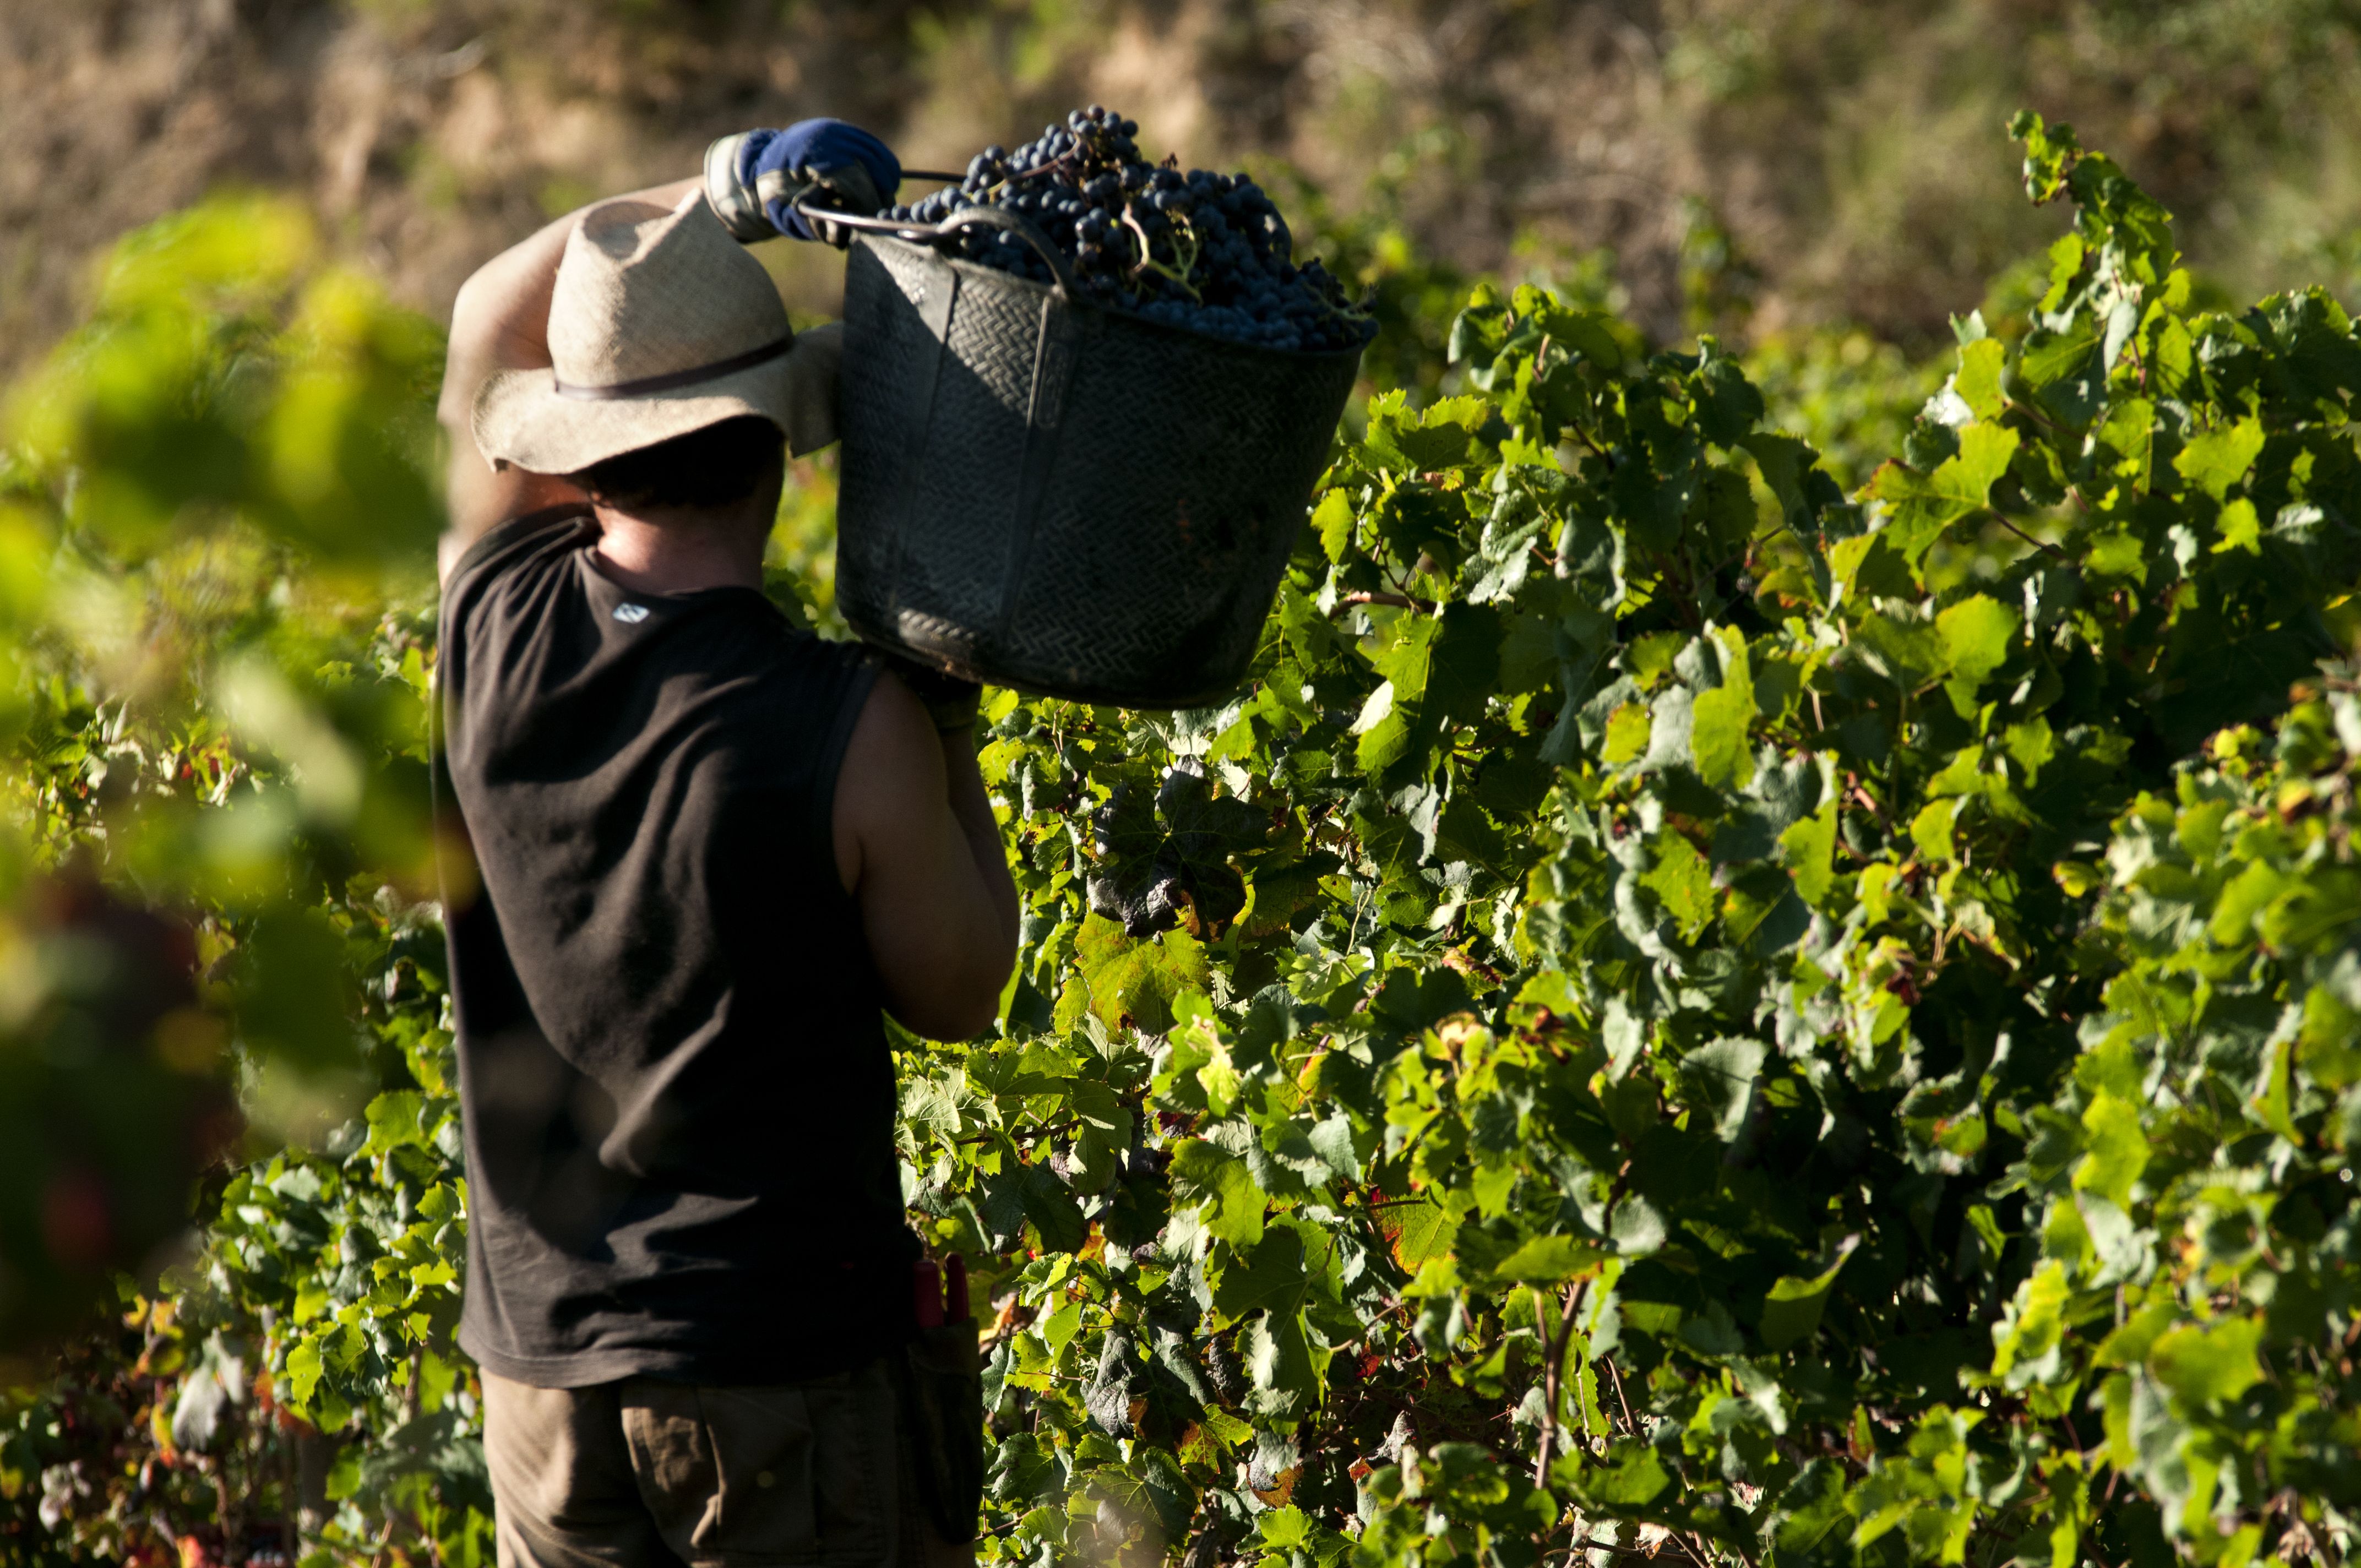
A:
{"x": 1207, "y": 252}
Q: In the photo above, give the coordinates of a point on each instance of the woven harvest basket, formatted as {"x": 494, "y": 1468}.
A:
{"x": 1040, "y": 493}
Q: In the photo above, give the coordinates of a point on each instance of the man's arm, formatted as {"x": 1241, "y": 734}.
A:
{"x": 500, "y": 321}
{"x": 918, "y": 850}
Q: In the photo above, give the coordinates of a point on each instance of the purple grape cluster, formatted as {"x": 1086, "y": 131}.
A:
{"x": 1203, "y": 251}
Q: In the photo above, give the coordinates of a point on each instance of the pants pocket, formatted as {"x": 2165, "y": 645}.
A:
{"x": 945, "y": 1408}
{"x": 787, "y": 1473}
{"x": 855, "y": 1470}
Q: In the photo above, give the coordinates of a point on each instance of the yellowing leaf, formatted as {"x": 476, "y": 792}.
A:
{"x": 2118, "y": 1150}
{"x": 2241, "y": 529}
{"x": 1116, "y": 977}
{"x": 1420, "y": 1232}
{"x": 1332, "y": 523}
{"x": 2076, "y": 877}
{"x": 1807, "y": 849}
{"x": 2029, "y": 1329}
{"x": 1718, "y": 721}
{"x": 1978, "y": 378}
{"x": 1546, "y": 1260}
{"x": 1626, "y": 734}
{"x": 1976, "y": 633}
{"x": 1930, "y": 831}
{"x": 2210, "y": 1364}
{"x": 1683, "y": 882}
{"x": 2220, "y": 459}
{"x": 1875, "y": 891}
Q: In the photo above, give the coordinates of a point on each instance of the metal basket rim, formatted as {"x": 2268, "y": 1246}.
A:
{"x": 1090, "y": 693}
{"x": 1128, "y": 320}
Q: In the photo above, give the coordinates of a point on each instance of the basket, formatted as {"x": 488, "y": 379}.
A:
{"x": 1040, "y": 493}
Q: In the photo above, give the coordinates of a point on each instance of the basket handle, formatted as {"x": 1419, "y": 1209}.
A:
{"x": 966, "y": 217}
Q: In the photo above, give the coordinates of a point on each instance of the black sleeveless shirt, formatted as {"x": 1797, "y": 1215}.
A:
{"x": 678, "y": 1100}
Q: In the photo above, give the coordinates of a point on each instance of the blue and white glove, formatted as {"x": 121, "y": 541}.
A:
{"x": 755, "y": 180}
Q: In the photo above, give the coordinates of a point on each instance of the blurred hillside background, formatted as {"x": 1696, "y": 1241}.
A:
{"x": 1764, "y": 166}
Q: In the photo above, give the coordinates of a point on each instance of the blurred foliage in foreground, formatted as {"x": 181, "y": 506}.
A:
{"x": 216, "y": 618}
{"x": 1696, "y": 1005}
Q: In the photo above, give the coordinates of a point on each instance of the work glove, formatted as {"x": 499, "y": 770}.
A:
{"x": 755, "y": 180}
{"x": 951, "y": 702}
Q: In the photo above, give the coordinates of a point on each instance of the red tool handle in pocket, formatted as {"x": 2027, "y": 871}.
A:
{"x": 926, "y": 1293}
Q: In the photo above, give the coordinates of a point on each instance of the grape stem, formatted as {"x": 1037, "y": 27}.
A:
{"x": 1147, "y": 262}
{"x": 1014, "y": 175}
{"x": 1398, "y": 601}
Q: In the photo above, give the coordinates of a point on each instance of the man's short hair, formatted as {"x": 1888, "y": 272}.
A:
{"x": 717, "y": 465}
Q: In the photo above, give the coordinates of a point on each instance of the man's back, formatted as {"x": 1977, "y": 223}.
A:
{"x": 709, "y": 852}
{"x": 680, "y": 1103}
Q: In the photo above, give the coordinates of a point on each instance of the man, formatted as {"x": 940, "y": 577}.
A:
{"x": 706, "y": 851}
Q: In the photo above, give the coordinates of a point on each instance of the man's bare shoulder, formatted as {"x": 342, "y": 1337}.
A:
{"x": 894, "y": 763}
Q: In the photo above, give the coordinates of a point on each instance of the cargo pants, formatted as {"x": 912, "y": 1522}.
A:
{"x": 810, "y": 1474}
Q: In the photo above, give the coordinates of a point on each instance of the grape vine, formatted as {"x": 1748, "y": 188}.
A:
{"x": 1682, "y": 1011}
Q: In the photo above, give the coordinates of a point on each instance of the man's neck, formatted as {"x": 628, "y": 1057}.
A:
{"x": 678, "y": 555}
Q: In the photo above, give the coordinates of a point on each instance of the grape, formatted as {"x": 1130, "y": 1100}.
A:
{"x": 1192, "y": 248}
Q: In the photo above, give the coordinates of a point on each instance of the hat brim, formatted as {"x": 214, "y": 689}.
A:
{"x": 520, "y": 417}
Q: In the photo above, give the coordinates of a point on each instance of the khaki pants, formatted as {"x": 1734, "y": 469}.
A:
{"x": 813, "y": 1474}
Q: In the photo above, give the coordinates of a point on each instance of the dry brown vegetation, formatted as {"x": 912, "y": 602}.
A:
{"x": 1836, "y": 162}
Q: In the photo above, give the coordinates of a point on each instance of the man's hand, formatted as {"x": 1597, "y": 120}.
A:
{"x": 918, "y": 850}
{"x": 756, "y": 179}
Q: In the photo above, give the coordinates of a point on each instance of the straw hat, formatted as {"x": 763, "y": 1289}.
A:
{"x": 659, "y": 324}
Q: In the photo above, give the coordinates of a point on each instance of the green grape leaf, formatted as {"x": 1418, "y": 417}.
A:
{"x": 1206, "y": 1174}
{"x": 1911, "y": 652}
{"x": 1438, "y": 672}
{"x": 1718, "y": 1082}
{"x": 1635, "y": 1479}
{"x": 1271, "y": 1277}
{"x": 2208, "y": 1364}
{"x": 2066, "y": 371}
{"x": 1117, "y": 978}
{"x": 1924, "y": 505}
{"x": 1793, "y": 1307}
{"x": 1051, "y": 1209}
{"x": 2118, "y": 1149}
